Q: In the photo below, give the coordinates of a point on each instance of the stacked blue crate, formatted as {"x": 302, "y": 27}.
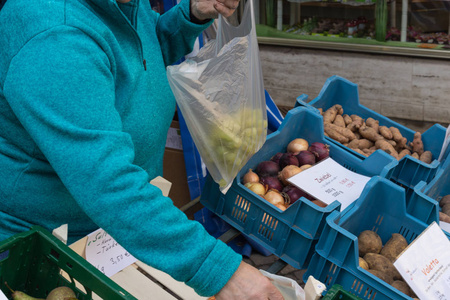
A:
{"x": 293, "y": 233}
{"x": 380, "y": 208}
{"x": 410, "y": 171}
{"x": 432, "y": 192}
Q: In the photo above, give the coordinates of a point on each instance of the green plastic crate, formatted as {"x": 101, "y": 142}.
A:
{"x": 33, "y": 261}
{"x": 337, "y": 292}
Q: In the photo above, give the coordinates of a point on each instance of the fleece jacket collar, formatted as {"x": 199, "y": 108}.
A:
{"x": 111, "y": 7}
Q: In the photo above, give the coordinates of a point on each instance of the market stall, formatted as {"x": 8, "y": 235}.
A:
{"x": 358, "y": 201}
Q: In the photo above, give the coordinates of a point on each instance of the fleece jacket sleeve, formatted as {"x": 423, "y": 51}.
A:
{"x": 177, "y": 33}
{"x": 64, "y": 96}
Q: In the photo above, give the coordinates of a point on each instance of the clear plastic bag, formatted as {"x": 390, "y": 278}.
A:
{"x": 220, "y": 93}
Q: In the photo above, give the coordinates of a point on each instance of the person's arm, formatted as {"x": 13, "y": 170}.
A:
{"x": 61, "y": 88}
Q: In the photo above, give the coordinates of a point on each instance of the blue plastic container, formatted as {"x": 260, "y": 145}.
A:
{"x": 381, "y": 208}
{"x": 432, "y": 192}
{"x": 293, "y": 233}
{"x": 410, "y": 170}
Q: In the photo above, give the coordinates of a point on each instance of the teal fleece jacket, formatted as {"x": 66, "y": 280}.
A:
{"x": 85, "y": 107}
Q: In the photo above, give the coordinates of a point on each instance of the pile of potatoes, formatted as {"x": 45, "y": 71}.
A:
{"x": 366, "y": 135}
{"x": 378, "y": 259}
{"x": 444, "y": 214}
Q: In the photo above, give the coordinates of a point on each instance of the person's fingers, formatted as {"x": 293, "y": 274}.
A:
{"x": 226, "y": 7}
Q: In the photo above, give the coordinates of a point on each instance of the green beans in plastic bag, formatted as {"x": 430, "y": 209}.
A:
{"x": 220, "y": 93}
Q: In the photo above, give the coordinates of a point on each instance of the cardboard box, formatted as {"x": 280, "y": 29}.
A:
{"x": 174, "y": 169}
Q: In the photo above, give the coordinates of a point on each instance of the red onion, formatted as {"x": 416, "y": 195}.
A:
{"x": 271, "y": 183}
{"x": 288, "y": 159}
{"x": 306, "y": 158}
{"x": 276, "y": 157}
{"x": 250, "y": 176}
{"x": 297, "y": 145}
{"x": 292, "y": 193}
{"x": 267, "y": 168}
{"x": 321, "y": 150}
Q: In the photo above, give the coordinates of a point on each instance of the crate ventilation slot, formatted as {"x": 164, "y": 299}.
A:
{"x": 409, "y": 236}
{"x": 359, "y": 288}
{"x": 349, "y": 168}
{"x": 330, "y": 275}
{"x": 377, "y": 223}
{"x": 268, "y": 226}
{"x": 240, "y": 209}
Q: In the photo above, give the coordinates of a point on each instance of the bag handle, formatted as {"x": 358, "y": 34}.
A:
{"x": 227, "y": 31}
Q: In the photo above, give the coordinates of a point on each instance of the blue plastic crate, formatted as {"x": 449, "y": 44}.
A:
{"x": 381, "y": 208}
{"x": 409, "y": 171}
{"x": 432, "y": 192}
{"x": 293, "y": 233}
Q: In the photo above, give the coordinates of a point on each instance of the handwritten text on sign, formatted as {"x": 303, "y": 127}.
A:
{"x": 425, "y": 264}
{"x": 103, "y": 252}
{"x": 329, "y": 181}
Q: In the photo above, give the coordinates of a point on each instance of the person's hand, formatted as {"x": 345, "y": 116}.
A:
{"x": 210, "y": 9}
{"x": 247, "y": 283}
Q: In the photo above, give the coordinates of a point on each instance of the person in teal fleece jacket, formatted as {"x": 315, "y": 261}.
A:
{"x": 85, "y": 107}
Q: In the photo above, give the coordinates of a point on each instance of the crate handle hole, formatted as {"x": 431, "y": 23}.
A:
{"x": 69, "y": 265}
{"x": 54, "y": 253}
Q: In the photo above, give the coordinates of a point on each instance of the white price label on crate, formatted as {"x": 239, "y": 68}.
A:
{"x": 425, "y": 264}
{"x": 329, "y": 181}
{"x": 104, "y": 253}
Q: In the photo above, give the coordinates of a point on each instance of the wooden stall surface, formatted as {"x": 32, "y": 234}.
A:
{"x": 145, "y": 282}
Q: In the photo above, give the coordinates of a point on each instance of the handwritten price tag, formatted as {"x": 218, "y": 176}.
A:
{"x": 329, "y": 181}
{"x": 425, "y": 264}
{"x": 104, "y": 253}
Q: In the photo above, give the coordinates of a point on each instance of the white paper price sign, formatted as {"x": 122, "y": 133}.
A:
{"x": 445, "y": 144}
{"x": 425, "y": 264}
{"x": 104, "y": 253}
{"x": 2, "y": 296}
{"x": 444, "y": 226}
{"x": 329, "y": 181}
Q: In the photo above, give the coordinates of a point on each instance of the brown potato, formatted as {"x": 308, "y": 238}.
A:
{"x": 369, "y": 242}
{"x": 444, "y": 200}
{"x": 426, "y": 157}
{"x": 339, "y": 121}
{"x": 385, "y": 132}
{"x": 444, "y": 217}
{"x": 417, "y": 144}
{"x": 396, "y": 244}
{"x": 402, "y": 287}
{"x": 383, "y": 264}
{"x": 446, "y": 209}
{"x": 382, "y": 275}
{"x": 363, "y": 264}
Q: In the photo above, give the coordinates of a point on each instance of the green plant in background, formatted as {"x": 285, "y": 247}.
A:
{"x": 381, "y": 20}
{"x": 270, "y": 13}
